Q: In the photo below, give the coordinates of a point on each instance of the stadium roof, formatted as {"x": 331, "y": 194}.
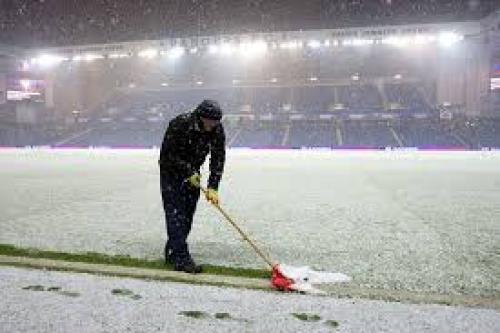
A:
{"x": 399, "y": 35}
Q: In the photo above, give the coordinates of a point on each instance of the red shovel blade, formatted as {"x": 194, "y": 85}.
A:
{"x": 280, "y": 281}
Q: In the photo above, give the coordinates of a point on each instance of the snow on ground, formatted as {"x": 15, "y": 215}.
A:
{"x": 44, "y": 301}
{"x": 421, "y": 221}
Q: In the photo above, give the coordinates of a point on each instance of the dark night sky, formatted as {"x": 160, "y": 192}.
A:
{"x": 66, "y": 22}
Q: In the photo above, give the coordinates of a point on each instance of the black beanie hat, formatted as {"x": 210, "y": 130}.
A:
{"x": 209, "y": 109}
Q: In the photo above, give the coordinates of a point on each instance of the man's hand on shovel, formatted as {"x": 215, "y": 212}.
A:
{"x": 212, "y": 196}
{"x": 195, "y": 180}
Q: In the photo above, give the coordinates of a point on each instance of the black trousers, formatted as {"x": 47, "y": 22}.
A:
{"x": 179, "y": 203}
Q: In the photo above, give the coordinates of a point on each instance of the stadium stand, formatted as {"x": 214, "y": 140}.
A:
{"x": 363, "y": 104}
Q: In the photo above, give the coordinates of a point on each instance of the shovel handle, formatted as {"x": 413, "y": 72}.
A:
{"x": 243, "y": 234}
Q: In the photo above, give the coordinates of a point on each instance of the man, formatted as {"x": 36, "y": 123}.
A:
{"x": 188, "y": 140}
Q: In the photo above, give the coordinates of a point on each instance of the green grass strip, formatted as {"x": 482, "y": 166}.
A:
{"x": 127, "y": 261}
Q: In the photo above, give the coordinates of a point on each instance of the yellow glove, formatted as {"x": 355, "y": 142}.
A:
{"x": 212, "y": 196}
{"x": 195, "y": 180}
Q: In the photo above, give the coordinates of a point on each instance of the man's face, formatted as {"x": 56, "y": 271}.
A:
{"x": 209, "y": 124}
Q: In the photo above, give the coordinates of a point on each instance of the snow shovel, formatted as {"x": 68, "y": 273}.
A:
{"x": 279, "y": 280}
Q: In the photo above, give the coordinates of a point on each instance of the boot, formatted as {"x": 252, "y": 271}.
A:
{"x": 188, "y": 266}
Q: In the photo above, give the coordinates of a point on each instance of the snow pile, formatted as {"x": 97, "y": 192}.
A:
{"x": 306, "y": 278}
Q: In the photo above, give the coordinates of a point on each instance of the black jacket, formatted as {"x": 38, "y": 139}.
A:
{"x": 186, "y": 146}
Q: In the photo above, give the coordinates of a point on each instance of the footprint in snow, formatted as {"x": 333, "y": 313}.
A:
{"x": 52, "y": 289}
{"x": 195, "y": 314}
{"x": 126, "y": 292}
{"x": 315, "y": 318}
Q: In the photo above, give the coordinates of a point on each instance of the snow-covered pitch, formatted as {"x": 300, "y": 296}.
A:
{"x": 422, "y": 221}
